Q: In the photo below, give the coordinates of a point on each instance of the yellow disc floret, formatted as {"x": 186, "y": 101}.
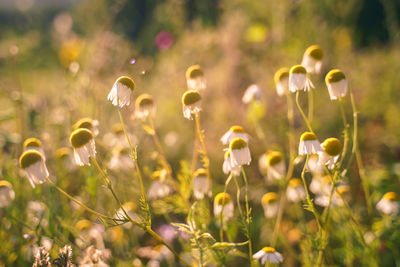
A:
{"x": 80, "y": 137}
{"x": 332, "y": 146}
{"x": 390, "y": 196}
{"x": 297, "y": 69}
{"x": 128, "y": 82}
{"x": 281, "y": 74}
{"x": 193, "y": 72}
{"x": 315, "y": 52}
{"x": 268, "y": 250}
{"x": 29, "y": 158}
{"x": 32, "y": 142}
{"x": 308, "y": 136}
{"x": 334, "y": 76}
{"x": 273, "y": 158}
{"x": 237, "y": 129}
{"x": 268, "y": 198}
{"x": 237, "y": 144}
{"x": 86, "y": 123}
{"x": 222, "y": 199}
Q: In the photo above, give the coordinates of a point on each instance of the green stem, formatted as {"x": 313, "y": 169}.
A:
{"x": 310, "y": 105}
{"x": 248, "y": 218}
{"x": 221, "y": 229}
{"x": 302, "y": 112}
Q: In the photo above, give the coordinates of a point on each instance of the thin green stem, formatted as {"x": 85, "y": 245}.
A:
{"x": 221, "y": 219}
{"x": 248, "y": 218}
{"x": 302, "y": 112}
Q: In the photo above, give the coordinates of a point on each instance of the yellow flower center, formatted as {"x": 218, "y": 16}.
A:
{"x": 144, "y": 100}
{"x": 117, "y": 128}
{"x": 308, "y": 136}
{"x": 237, "y": 143}
{"x": 281, "y": 74}
{"x": 269, "y": 198}
{"x": 237, "y": 129}
{"x": 222, "y": 199}
{"x": 390, "y": 196}
{"x": 32, "y": 142}
{"x": 193, "y": 72}
{"x": 62, "y": 152}
{"x": 4, "y": 183}
{"x": 128, "y": 82}
{"x": 190, "y": 97}
{"x": 268, "y": 249}
{"x": 82, "y": 225}
{"x": 294, "y": 182}
{"x": 332, "y": 146}
{"x": 86, "y": 123}
{"x": 334, "y": 76}
{"x": 298, "y": 69}
{"x": 315, "y": 52}
{"x": 29, "y": 158}
{"x": 273, "y": 158}
{"x": 80, "y": 137}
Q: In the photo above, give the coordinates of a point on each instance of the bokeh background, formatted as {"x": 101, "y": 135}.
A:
{"x": 59, "y": 59}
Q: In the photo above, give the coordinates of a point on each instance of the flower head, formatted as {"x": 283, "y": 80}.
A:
{"x": 331, "y": 150}
{"x": 240, "y": 152}
{"x": 120, "y": 159}
{"x": 159, "y": 188}
{"x": 234, "y": 132}
{"x": 281, "y": 79}
{"x": 275, "y": 165}
{"x": 7, "y": 193}
{"x": 33, "y": 163}
{"x": 227, "y": 166}
{"x": 295, "y": 191}
{"x": 252, "y": 93}
{"x": 389, "y": 204}
{"x": 223, "y": 201}
{"x": 33, "y": 143}
{"x": 84, "y": 147}
{"x": 191, "y": 101}
{"x": 144, "y": 106}
{"x": 337, "y": 84}
{"x": 195, "y": 78}
{"x": 201, "y": 184}
{"x": 309, "y": 144}
{"x": 268, "y": 254}
{"x": 270, "y": 203}
{"x": 298, "y": 79}
{"x": 120, "y": 93}
{"x": 87, "y": 123}
{"x": 312, "y": 59}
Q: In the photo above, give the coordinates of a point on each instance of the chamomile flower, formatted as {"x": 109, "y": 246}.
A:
{"x": 89, "y": 124}
{"x": 331, "y": 150}
{"x": 159, "y": 188}
{"x": 309, "y": 144}
{"x": 201, "y": 184}
{"x": 281, "y": 79}
{"x": 33, "y": 163}
{"x": 227, "y": 166}
{"x": 33, "y": 144}
{"x": 240, "y": 152}
{"x": 389, "y": 204}
{"x": 84, "y": 147}
{"x": 120, "y": 159}
{"x": 270, "y": 203}
{"x": 7, "y": 193}
{"x": 223, "y": 203}
{"x": 275, "y": 165}
{"x": 191, "y": 101}
{"x": 234, "y": 132}
{"x": 312, "y": 59}
{"x": 298, "y": 79}
{"x": 195, "y": 78}
{"x": 268, "y": 254}
{"x": 337, "y": 84}
{"x": 295, "y": 191}
{"x": 252, "y": 93}
{"x": 120, "y": 93}
{"x": 144, "y": 106}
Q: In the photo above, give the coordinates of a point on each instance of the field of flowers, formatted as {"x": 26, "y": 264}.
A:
{"x": 199, "y": 133}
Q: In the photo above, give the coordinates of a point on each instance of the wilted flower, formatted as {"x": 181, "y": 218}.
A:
{"x": 87, "y": 123}
{"x": 120, "y": 159}
{"x": 7, "y": 193}
{"x": 281, "y": 79}
{"x": 195, "y": 78}
{"x": 191, "y": 101}
{"x": 312, "y": 59}
{"x": 240, "y": 152}
{"x": 337, "y": 84}
{"x": 252, "y": 93}
{"x": 270, "y": 203}
{"x": 234, "y": 132}
{"x": 84, "y": 147}
{"x": 309, "y": 144}
{"x": 33, "y": 163}
{"x": 201, "y": 184}
{"x": 120, "y": 93}
{"x": 298, "y": 79}
{"x": 144, "y": 106}
{"x": 268, "y": 254}
{"x": 331, "y": 149}
{"x": 274, "y": 165}
{"x": 228, "y": 167}
{"x": 389, "y": 204}
{"x": 223, "y": 203}
{"x": 295, "y": 191}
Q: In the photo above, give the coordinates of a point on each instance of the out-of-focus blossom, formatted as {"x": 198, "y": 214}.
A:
{"x": 33, "y": 163}
{"x": 281, "y": 79}
{"x": 270, "y": 203}
{"x": 7, "y": 193}
{"x": 252, "y": 93}
{"x": 201, "y": 184}
{"x": 234, "y": 132}
{"x": 164, "y": 40}
{"x": 223, "y": 204}
{"x": 240, "y": 152}
{"x": 337, "y": 84}
{"x": 389, "y": 204}
{"x": 298, "y": 79}
{"x": 195, "y": 78}
{"x": 144, "y": 106}
{"x": 295, "y": 191}
{"x": 191, "y": 101}
{"x": 120, "y": 94}
{"x": 268, "y": 254}
{"x": 84, "y": 147}
{"x": 312, "y": 59}
{"x": 228, "y": 167}
{"x": 87, "y": 123}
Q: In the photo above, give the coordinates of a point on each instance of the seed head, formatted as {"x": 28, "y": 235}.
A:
{"x": 144, "y": 100}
